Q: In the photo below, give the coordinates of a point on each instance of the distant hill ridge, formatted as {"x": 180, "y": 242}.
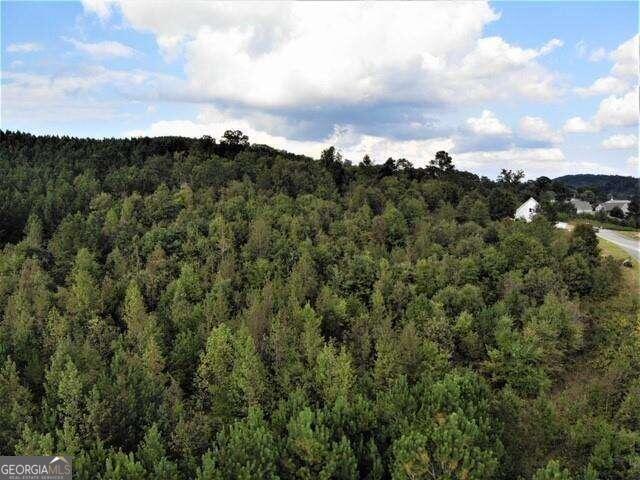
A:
{"x": 617, "y": 185}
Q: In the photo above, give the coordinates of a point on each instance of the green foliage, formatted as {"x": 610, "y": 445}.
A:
{"x": 555, "y": 330}
{"x": 120, "y": 466}
{"x": 230, "y": 374}
{"x": 584, "y": 241}
{"x": 185, "y": 308}
{"x": 453, "y": 436}
{"x": 606, "y": 186}
{"x": 334, "y": 374}
{"x": 516, "y": 361}
{"x": 577, "y": 273}
{"x": 311, "y": 453}
{"x": 153, "y": 456}
{"x": 633, "y": 214}
{"x": 552, "y": 471}
{"x": 17, "y": 408}
{"x": 248, "y": 450}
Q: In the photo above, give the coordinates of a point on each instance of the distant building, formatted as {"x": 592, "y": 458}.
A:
{"x": 581, "y": 206}
{"x": 527, "y": 210}
{"x": 609, "y": 205}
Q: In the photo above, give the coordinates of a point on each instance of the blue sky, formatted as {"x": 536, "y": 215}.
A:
{"x": 550, "y": 87}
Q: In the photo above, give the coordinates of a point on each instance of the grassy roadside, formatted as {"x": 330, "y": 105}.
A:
{"x": 633, "y": 235}
{"x": 589, "y": 389}
{"x": 631, "y": 275}
{"x": 600, "y": 224}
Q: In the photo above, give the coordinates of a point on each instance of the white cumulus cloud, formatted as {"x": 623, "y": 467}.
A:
{"x": 618, "y": 111}
{"x": 536, "y": 128}
{"x": 535, "y": 162}
{"x": 78, "y": 96}
{"x": 626, "y": 58}
{"x": 591, "y": 54}
{"x": 615, "y": 142}
{"x": 28, "y": 47}
{"x": 103, "y": 49}
{"x": 624, "y": 72}
{"x": 102, "y": 8}
{"x": 604, "y": 86}
{"x": 487, "y": 124}
{"x": 296, "y": 55}
{"x": 613, "y": 111}
{"x": 597, "y": 55}
{"x": 578, "y": 125}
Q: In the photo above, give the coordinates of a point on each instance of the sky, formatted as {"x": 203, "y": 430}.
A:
{"x": 550, "y": 88}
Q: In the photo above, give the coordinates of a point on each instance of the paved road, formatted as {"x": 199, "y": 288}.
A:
{"x": 626, "y": 243}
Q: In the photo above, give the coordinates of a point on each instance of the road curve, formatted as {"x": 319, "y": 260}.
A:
{"x": 627, "y": 244}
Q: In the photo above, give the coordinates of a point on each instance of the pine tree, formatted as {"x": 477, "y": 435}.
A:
{"x": 153, "y": 457}
{"x": 310, "y": 452}
{"x": 83, "y": 296}
{"x": 248, "y": 450}
{"x": 134, "y": 314}
{"x": 24, "y": 323}
{"x": 334, "y": 374}
{"x": 552, "y": 471}
{"x": 230, "y": 375}
{"x": 120, "y": 466}
{"x": 17, "y": 410}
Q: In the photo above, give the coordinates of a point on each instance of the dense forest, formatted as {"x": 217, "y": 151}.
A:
{"x": 604, "y": 186}
{"x": 190, "y": 308}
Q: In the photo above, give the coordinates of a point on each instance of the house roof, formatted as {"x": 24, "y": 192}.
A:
{"x": 611, "y": 204}
{"x": 531, "y": 201}
{"x": 580, "y": 204}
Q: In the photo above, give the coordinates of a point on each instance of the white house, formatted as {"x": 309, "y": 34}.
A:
{"x": 527, "y": 210}
{"x": 581, "y": 206}
{"x": 611, "y": 204}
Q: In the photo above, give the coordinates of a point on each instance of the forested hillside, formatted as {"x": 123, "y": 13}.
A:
{"x": 186, "y": 308}
{"x": 605, "y": 186}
